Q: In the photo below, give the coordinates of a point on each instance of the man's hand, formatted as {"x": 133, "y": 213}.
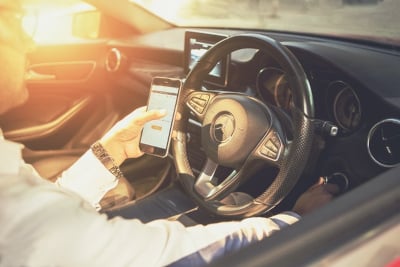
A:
{"x": 122, "y": 140}
{"x": 315, "y": 197}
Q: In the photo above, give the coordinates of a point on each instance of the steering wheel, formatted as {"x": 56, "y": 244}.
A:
{"x": 239, "y": 131}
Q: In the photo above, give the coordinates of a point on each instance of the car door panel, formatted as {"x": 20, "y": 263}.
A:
{"x": 70, "y": 103}
{"x": 43, "y": 121}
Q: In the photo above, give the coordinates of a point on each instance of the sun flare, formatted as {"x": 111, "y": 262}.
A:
{"x": 51, "y": 23}
{"x": 169, "y": 9}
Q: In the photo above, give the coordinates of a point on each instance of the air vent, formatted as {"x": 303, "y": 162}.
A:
{"x": 384, "y": 143}
{"x": 114, "y": 60}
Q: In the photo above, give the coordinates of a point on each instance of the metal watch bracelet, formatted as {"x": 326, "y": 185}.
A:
{"x": 108, "y": 162}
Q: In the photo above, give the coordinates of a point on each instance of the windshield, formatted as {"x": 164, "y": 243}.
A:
{"x": 376, "y": 20}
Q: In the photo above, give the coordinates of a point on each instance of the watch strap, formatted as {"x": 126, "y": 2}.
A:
{"x": 108, "y": 162}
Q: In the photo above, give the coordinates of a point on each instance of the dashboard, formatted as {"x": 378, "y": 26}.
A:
{"x": 354, "y": 87}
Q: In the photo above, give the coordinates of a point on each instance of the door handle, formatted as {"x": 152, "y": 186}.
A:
{"x": 35, "y": 76}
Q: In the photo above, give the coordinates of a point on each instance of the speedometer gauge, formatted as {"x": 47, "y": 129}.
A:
{"x": 273, "y": 87}
{"x": 346, "y": 107}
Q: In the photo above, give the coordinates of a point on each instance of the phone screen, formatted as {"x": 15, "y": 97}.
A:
{"x": 156, "y": 134}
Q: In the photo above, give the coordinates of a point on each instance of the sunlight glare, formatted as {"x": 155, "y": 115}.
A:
{"x": 51, "y": 23}
{"x": 167, "y": 9}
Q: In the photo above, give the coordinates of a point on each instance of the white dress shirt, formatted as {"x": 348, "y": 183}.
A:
{"x": 44, "y": 225}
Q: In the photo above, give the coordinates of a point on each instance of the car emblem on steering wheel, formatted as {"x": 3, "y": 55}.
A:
{"x": 223, "y": 127}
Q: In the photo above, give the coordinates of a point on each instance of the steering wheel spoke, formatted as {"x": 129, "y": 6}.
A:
{"x": 198, "y": 103}
{"x": 204, "y": 185}
{"x": 207, "y": 186}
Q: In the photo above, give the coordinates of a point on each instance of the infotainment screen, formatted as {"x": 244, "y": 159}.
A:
{"x": 196, "y": 44}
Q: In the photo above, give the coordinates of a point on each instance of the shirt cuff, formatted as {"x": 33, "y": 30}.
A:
{"x": 89, "y": 178}
{"x": 286, "y": 218}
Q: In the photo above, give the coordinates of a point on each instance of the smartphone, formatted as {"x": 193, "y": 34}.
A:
{"x": 156, "y": 135}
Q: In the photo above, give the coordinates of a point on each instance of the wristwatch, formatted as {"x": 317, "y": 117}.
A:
{"x": 108, "y": 162}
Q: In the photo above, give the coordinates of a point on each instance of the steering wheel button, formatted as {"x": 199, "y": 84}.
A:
{"x": 195, "y": 106}
{"x": 277, "y": 145}
{"x": 268, "y": 153}
{"x": 192, "y": 104}
{"x": 271, "y": 146}
{"x": 199, "y": 109}
{"x": 264, "y": 151}
{"x": 205, "y": 97}
{"x": 199, "y": 101}
{"x": 275, "y": 140}
{"x": 272, "y": 155}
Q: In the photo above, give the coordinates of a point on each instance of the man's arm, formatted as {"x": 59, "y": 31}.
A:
{"x": 88, "y": 177}
{"x": 56, "y": 227}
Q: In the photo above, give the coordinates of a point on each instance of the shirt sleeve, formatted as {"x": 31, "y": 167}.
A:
{"x": 218, "y": 240}
{"x": 89, "y": 178}
{"x": 65, "y": 228}
{"x": 56, "y": 227}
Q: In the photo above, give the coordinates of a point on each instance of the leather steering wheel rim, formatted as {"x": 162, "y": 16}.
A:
{"x": 294, "y": 157}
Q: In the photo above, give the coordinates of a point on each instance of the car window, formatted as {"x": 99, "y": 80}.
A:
{"x": 372, "y": 20}
{"x": 60, "y": 21}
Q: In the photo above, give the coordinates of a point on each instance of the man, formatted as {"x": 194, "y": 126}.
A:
{"x": 46, "y": 224}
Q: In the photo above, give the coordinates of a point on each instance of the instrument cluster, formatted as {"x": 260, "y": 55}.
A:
{"x": 273, "y": 87}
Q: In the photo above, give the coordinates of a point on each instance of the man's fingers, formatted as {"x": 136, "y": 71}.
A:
{"x": 150, "y": 115}
{"x": 137, "y": 112}
{"x": 319, "y": 183}
{"x": 332, "y": 188}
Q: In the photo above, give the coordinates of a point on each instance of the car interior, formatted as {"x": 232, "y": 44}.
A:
{"x": 264, "y": 114}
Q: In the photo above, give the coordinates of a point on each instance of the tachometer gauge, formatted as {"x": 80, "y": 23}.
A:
{"x": 273, "y": 87}
{"x": 346, "y": 107}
